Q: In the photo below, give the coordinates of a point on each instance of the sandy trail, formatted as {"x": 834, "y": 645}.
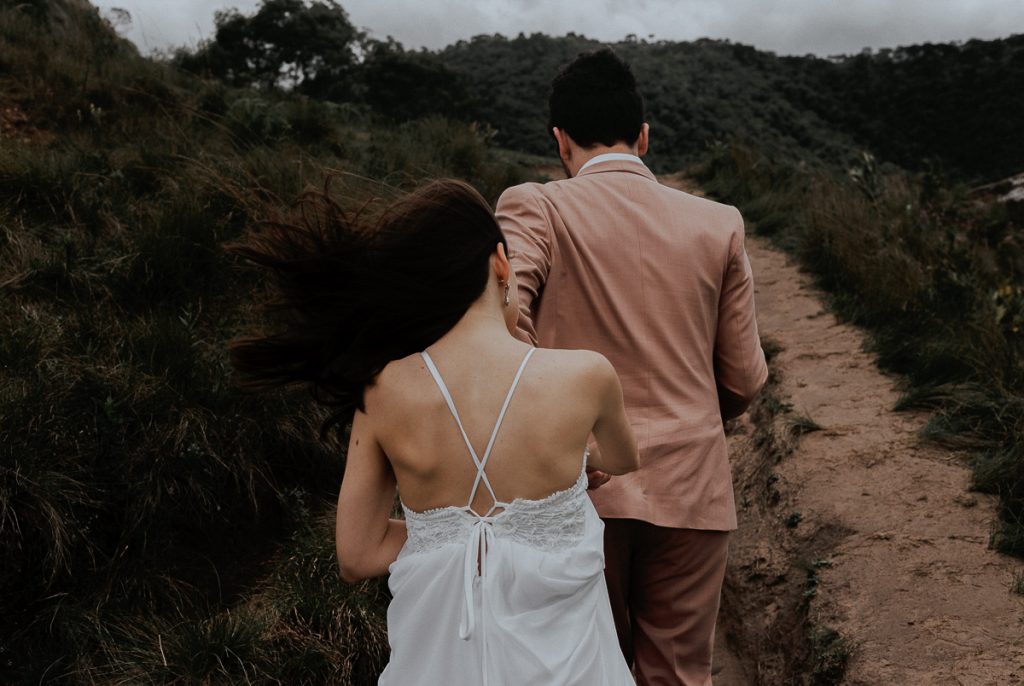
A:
{"x": 910, "y": 582}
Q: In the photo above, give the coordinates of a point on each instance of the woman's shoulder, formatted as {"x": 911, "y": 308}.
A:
{"x": 585, "y": 365}
{"x": 398, "y": 377}
{"x": 408, "y": 377}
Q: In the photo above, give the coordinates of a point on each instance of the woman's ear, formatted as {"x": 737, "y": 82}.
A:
{"x": 502, "y": 267}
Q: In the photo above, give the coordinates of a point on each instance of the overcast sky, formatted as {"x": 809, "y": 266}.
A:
{"x": 822, "y": 27}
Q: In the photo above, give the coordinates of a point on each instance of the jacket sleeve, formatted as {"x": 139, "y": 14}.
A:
{"x": 740, "y": 367}
{"x": 528, "y": 231}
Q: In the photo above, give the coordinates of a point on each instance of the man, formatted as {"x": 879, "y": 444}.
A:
{"x": 659, "y": 282}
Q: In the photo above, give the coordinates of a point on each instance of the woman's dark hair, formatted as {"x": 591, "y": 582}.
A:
{"x": 594, "y": 99}
{"x": 355, "y": 294}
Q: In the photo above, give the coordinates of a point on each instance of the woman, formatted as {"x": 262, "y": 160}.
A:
{"x": 497, "y": 568}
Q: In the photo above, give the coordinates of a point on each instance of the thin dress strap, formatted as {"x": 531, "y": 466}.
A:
{"x": 481, "y": 463}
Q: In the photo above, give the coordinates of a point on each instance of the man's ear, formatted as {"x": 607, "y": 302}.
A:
{"x": 564, "y": 151}
{"x": 643, "y": 140}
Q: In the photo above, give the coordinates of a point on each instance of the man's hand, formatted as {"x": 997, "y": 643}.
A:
{"x": 730, "y": 404}
{"x": 596, "y": 478}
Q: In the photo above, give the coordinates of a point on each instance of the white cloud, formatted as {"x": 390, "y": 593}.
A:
{"x": 785, "y": 26}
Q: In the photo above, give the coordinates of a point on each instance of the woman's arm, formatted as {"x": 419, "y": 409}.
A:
{"x": 617, "y": 451}
{"x": 367, "y": 540}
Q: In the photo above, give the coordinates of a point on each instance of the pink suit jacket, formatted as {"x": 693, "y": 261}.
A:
{"x": 659, "y": 282}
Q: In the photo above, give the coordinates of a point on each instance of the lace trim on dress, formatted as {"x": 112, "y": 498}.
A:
{"x": 554, "y": 522}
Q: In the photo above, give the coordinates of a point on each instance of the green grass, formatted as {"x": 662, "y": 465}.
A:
{"x": 932, "y": 273}
{"x": 830, "y": 654}
{"x": 298, "y": 625}
{"x": 800, "y": 424}
{"x": 157, "y": 525}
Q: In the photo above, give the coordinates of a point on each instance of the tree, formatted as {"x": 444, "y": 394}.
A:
{"x": 402, "y": 85}
{"x": 306, "y": 46}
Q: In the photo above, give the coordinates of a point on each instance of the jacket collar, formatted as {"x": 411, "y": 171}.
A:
{"x": 617, "y": 165}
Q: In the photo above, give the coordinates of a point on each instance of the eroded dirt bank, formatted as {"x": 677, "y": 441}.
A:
{"x": 861, "y": 558}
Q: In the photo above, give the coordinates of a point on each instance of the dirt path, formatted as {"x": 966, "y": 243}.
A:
{"x": 907, "y": 580}
{"x": 891, "y": 547}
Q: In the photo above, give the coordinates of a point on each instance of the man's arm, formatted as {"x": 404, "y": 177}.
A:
{"x": 740, "y": 368}
{"x": 528, "y": 231}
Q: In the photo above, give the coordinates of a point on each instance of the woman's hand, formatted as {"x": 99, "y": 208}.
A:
{"x": 596, "y": 478}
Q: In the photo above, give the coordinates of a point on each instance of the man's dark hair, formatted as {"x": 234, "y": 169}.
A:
{"x": 594, "y": 99}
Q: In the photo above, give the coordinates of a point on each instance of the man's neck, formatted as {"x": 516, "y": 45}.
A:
{"x": 583, "y": 155}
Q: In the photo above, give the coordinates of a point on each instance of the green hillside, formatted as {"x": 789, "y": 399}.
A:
{"x": 695, "y": 94}
{"x": 953, "y": 107}
{"x": 959, "y": 106}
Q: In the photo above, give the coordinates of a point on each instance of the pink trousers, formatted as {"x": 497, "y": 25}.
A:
{"x": 665, "y": 585}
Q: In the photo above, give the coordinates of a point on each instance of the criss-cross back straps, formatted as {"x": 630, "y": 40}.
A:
{"x": 480, "y": 462}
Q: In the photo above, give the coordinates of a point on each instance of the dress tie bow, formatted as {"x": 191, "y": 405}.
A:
{"x": 478, "y": 543}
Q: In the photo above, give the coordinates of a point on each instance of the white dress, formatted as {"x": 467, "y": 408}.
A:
{"x": 512, "y": 597}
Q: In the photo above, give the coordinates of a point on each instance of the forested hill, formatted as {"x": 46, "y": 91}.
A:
{"x": 956, "y": 105}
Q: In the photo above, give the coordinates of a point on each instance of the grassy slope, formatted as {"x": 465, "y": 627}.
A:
{"x": 934, "y": 273}
{"x": 155, "y": 524}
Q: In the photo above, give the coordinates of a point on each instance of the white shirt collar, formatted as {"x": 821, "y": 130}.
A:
{"x": 609, "y": 157}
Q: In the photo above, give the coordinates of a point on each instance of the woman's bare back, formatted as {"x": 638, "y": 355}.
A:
{"x": 538, "y": 448}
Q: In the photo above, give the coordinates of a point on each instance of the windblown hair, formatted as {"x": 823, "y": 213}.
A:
{"x": 595, "y": 100}
{"x": 355, "y": 294}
